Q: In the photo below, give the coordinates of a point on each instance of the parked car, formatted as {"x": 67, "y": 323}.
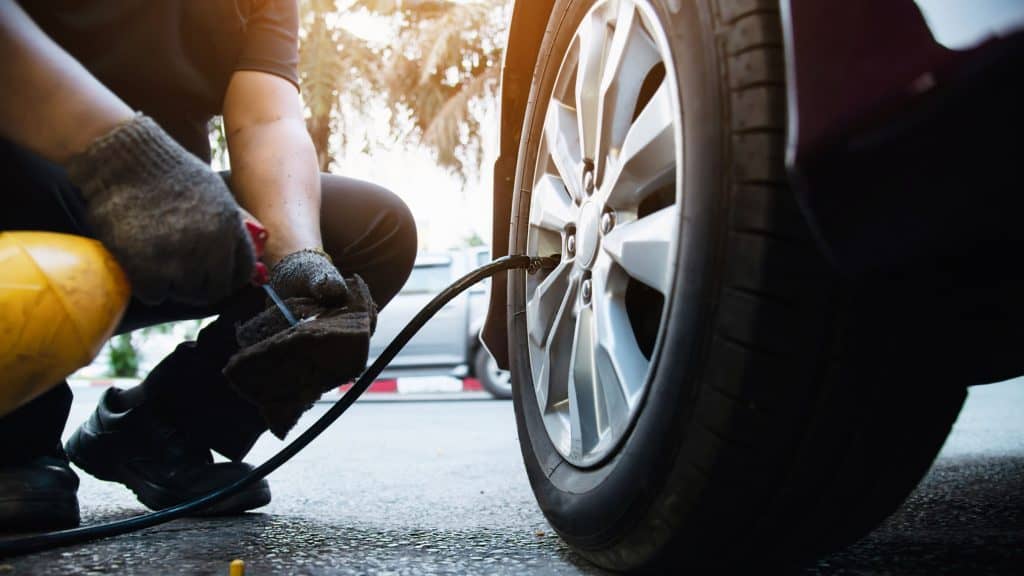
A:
{"x": 788, "y": 238}
{"x": 448, "y": 345}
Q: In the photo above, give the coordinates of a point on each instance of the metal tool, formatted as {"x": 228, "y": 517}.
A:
{"x": 260, "y": 277}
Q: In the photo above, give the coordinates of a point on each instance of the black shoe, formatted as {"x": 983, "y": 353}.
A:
{"x": 155, "y": 460}
{"x": 38, "y": 495}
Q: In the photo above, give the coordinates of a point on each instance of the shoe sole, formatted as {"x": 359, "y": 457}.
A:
{"x": 156, "y": 497}
{"x": 39, "y": 511}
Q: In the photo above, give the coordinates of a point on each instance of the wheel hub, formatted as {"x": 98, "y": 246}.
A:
{"x": 588, "y": 237}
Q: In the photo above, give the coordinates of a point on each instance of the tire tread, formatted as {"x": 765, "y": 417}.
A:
{"x": 772, "y": 313}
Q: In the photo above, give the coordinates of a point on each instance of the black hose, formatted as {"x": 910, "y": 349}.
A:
{"x": 38, "y": 542}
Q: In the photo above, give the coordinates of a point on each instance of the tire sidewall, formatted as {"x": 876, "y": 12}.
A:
{"x": 596, "y": 507}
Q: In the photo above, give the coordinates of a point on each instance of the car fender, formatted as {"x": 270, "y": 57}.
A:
{"x": 874, "y": 80}
{"x": 526, "y": 32}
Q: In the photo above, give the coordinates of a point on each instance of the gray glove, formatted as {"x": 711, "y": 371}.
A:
{"x": 283, "y": 369}
{"x": 169, "y": 219}
{"x": 309, "y": 274}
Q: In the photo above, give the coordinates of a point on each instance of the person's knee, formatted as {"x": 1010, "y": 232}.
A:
{"x": 368, "y": 230}
{"x": 406, "y": 240}
{"x": 399, "y": 248}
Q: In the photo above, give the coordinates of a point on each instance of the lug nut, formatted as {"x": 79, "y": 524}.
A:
{"x": 587, "y": 292}
{"x": 570, "y": 245}
{"x": 588, "y": 176}
{"x": 607, "y": 222}
{"x": 588, "y": 181}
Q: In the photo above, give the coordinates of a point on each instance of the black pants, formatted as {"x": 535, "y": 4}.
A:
{"x": 366, "y": 229}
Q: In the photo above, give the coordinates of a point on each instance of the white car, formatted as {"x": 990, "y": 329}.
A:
{"x": 449, "y": 344}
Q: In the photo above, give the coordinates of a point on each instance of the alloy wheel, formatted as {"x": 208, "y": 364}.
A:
{"x": 501, "y": 379}
{"x": 606, "y": 196}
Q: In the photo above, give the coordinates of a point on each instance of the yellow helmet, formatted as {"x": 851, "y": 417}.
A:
{"x": 61, "y": 297}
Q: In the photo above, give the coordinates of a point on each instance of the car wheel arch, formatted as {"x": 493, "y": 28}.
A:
{"x": 526, "y": 33}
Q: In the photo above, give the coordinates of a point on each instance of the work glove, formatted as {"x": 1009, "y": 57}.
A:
{"x": 284, "y": 369}
{"x": 309, "y": 274}
{"x": 169, "y": 219}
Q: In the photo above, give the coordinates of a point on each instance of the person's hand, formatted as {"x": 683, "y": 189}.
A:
{"x": 167, "y": 217}
{"x": 284, "y": 369}
{"x": 309, "y": 274}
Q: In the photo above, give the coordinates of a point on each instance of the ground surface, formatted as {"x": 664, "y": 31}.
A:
{"x": 437, "y": 487}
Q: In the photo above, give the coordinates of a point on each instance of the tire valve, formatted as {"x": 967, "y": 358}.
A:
{"x": 539, "y": 263}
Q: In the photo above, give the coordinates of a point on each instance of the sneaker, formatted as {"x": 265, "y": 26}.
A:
{"x": 156, "y": 461}
{"x": 38, "y": 495}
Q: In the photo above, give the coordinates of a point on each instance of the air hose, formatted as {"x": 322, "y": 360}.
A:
{"x": 46, "y": 541}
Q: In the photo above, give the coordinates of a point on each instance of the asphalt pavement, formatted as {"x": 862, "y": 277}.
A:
{"x": 437, "y": 487}
{"x": 967, "y": 515}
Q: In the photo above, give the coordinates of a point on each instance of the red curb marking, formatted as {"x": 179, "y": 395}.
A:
{"x": 378, "y": 387}
{"x": 384, "y": 386}
{"x": 471, "y": 385}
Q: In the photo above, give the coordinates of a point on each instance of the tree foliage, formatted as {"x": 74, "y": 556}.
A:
{"x": 441, "y": 63}
{"x": 336, "y": 68}
{"x": 124, "y": 359}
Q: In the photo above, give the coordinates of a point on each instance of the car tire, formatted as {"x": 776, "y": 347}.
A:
{"x": 496, "y": 381}
{"x": 769, "y": 427}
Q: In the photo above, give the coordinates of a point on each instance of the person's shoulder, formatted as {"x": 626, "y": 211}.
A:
{"x": 271, "y": 40}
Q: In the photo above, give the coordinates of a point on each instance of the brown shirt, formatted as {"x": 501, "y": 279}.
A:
{"x": 172, "y": 59}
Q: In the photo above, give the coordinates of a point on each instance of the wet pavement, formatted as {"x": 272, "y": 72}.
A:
{"x": 437, "y": 487}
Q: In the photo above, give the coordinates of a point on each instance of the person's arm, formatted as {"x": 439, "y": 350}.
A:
{"x": 49, "y": 103}
{"x": 274, "y": 170}
{"x": 144, "y": 194}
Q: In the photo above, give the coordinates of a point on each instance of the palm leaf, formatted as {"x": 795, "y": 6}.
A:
{"x": 442, "y": 133}
{"x": 443, "y": 57}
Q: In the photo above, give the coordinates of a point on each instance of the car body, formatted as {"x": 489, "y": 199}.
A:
{"x": 445, "y": 345}
{"x": 844, "y": 83}
{"x": 785, "y": 240}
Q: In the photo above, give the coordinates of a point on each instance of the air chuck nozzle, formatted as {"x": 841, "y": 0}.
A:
{"x": 543, "y": 263}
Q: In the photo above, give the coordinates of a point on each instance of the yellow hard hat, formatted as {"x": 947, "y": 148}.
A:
{"x": 61, "y": 297}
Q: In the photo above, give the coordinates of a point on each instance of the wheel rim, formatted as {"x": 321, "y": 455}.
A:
{"x": 605, "y": 198}
{"x": 501, "y": 379}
